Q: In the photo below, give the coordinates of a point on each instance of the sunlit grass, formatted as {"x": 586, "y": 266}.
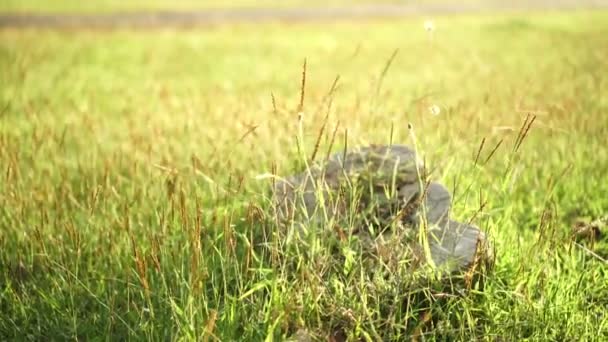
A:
{"x": 129, "y": 205}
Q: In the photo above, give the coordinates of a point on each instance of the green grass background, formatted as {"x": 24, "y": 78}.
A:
{"x": 129, "y": 206}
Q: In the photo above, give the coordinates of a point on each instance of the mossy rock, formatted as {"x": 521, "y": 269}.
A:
{"x": 377, "y": 192}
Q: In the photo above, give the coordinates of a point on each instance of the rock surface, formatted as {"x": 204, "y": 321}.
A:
{"x": 379, "y": 192}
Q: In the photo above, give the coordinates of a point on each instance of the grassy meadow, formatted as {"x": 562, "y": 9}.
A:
{"x": 132, "y": 207}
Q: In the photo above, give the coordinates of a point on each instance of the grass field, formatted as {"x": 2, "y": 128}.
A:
{"x": 130, "y": 206}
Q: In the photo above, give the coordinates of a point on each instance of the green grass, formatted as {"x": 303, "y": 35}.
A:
{"x": 129, "y": 206}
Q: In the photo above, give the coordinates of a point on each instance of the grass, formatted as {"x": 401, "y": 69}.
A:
{"x": 130, "y": 208}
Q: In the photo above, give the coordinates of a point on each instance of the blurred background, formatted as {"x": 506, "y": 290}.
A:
{"x": 166, "y": 5}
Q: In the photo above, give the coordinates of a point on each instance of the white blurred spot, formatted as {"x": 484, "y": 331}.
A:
{"x": 429, "y": 25}
{"x": 434, "y": 110}
{"x": 264, "y": 176}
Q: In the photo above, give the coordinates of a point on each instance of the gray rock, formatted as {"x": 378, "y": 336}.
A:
{"x": 381, "y": 189}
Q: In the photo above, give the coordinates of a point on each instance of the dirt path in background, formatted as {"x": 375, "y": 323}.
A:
{"x": 211, "y": 17}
